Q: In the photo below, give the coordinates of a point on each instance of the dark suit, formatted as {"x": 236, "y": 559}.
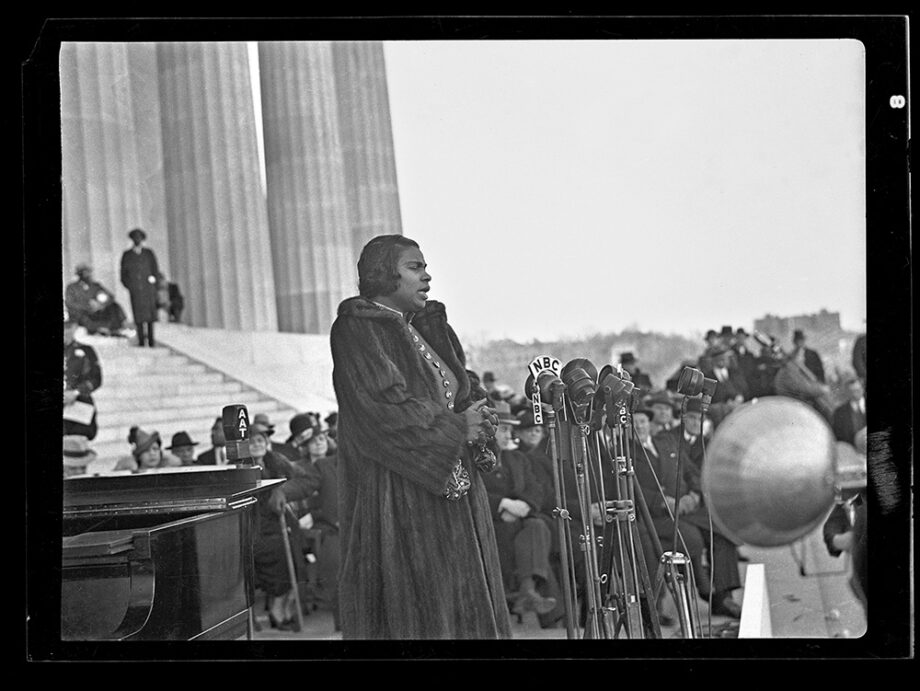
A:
{"x": 524, "y": 544}
{"x": 208, "y": 457}
{"x": 813, "y": 363}
{"x": 139, "y": 274}
{"x": 859, "y": 357}
{"x": 694, "y": 527}
{"x": 847, "y": 422}
{"x": 83, "y": 374}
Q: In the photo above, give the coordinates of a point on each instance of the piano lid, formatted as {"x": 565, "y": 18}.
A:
{"x": 162, "y": 490}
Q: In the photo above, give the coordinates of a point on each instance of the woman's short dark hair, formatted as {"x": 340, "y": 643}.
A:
{"x": 378, "y": 271}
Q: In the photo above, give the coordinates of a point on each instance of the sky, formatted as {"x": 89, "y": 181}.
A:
{"x": 566, "y": 188}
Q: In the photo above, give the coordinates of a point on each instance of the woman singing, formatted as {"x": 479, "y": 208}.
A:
{"x": 419, "y": 559}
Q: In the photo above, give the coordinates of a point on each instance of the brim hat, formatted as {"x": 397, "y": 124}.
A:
{"x": 648, "y": 412}
{"x": 526, "y": 419}
{"x": 76, "y": 451}
{"x": 259, "y": 427}
{"x": 507, "y": 418}
{"x": 137, "y": 233}
{"x": 181, "y": 439}
{"x": 627, "y": 358}
{"x": 299, "y": 424}
{"x": 660, "y": 398}
{"x": 144, "y": 440}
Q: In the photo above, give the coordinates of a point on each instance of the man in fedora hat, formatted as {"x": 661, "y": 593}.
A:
{"x": 183, "y": 448}
{"x": 82, "y": 376}
{"x": 140, "y": 274}
{"x": 524, "y": 540}
{"x": 639, "y": 378}
{"x": 663, "y": 412}
{"x": 77, "y": 454}
{"x": 294, "y": 447}
{"x": 93, "y": 305}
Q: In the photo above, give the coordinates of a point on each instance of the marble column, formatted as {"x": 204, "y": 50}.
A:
{"x": 112, "y": 157}
{"x": 314, "y": 259}
{"x": 217, "y": 219}
{"x": 367, "y": 140}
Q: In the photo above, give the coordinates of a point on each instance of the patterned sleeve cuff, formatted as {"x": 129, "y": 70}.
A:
{"x": 458, "y": 484}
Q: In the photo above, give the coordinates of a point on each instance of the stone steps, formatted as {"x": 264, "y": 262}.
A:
{"x": 159, "y": 389}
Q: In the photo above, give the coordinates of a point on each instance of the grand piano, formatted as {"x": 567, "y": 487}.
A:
{"x": 165, "y": 554}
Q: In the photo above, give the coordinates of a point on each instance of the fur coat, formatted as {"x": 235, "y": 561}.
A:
{"x": 414, "y": 565}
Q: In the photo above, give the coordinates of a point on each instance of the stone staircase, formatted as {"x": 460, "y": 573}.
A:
{"x": 159, "y": 389}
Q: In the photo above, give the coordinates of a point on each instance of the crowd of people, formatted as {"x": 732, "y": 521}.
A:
{"x": 441, "y": 489}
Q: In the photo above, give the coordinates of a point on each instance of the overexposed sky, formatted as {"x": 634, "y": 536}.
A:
{"x": 562, "y": 188}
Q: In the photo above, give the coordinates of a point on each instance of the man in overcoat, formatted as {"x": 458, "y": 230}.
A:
{"x": 139, "y": 274}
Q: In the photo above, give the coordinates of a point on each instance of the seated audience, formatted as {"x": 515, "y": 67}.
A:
{"x": 183, "y": 448}
{"x": 667, "y": 495}
{"x": 93, "y": 306}
{"x": 77, "y": 455}
{"x": 315, "y": 495}
{"x": 524, "y": 540}
{"x": 82, "y": 376}
{"x": 270, "y": 555}
{"x": 146, "y": 453}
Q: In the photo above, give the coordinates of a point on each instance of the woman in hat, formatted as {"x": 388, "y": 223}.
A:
{"x": 77, "y": 455}
{"x": 139, "y": 274}
{"x": 419, "y": 558}
{"x": 146, "y": 452}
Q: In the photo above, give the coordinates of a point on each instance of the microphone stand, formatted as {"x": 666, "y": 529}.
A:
{"x": 629, "y": 570}
{"x": 562, "y": 516}
{"x": 594, "y": 622}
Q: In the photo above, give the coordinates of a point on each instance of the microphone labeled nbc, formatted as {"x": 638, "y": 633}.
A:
{"x": 235, "y": 422}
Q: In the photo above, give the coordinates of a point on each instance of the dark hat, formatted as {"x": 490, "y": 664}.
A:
{"x": 488, "y": 377}
{"x": 505, "y": 417}
{"x": 260, "y": 427}
{"x": 741, "y": 331}
{"x": 661, "y": 398}
{"x": 726, "y": 331}
{"x": 137, "y": 233}
{"x": 82, "y": 267}
{"x": 76, "y": 451}
{"x": 526, "y": 419}
{"x": 181, "y": 439}
{"x": 694, "y": 405}
{"x": 144, "y": 440}
{"x": 298, "y": 424}
{"x": 798, "y": 335}
{"x": 332, "y": 419}
{"x": 648, "y": 412}
{"x": 627, "y": 358}
{"x": 710, "y": 334}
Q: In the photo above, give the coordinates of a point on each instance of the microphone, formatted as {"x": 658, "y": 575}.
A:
{"x": 235, "y": 421}
{"x": 580, "y": 386}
